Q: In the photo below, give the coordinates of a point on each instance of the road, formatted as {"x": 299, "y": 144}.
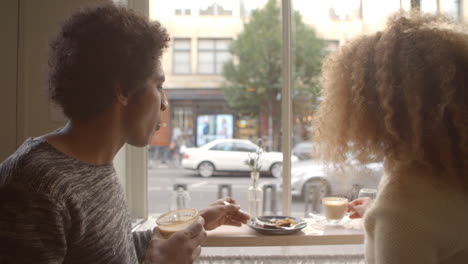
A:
{"x": 203, "y": 191}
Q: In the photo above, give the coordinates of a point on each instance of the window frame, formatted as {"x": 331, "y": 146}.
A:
{"x": 136, "y": 173}
{"x": 215, "y": 52}
{"x": 174, "y": 50}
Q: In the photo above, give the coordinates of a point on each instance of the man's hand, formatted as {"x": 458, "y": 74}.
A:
{"x": 182, "y": 247}
{"x": 218, "y": 214}
{"x": 358, "y": 207}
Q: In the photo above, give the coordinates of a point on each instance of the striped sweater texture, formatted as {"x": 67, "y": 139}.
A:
{"x": 56, "y": 209}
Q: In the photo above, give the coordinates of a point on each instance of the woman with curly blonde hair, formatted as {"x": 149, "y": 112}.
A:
{"x": 401, "y": 96}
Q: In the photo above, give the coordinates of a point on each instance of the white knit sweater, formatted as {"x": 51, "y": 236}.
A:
{"x": 416, "y": 220}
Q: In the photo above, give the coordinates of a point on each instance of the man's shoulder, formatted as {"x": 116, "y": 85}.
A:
{"x": 37, "y": 165}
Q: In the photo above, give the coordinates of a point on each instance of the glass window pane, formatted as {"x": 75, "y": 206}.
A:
{"x": 244, "y": 147}
{"x": 206, "y": 44}
{"x": 206, "y": 57}
{"x": 451, "y": 8}
{"x": 208, "y": 108}
{"x": 330, "y": 25}
{"x": 223, "y": 44}
{"x": 182, "y": 57}
{"x": 223, "y": 147}
{"x": 206, "y": 68}
{"x": 222, "y": 57}
{"x": 182, "y": 44}
{"x": 429, "y": 6}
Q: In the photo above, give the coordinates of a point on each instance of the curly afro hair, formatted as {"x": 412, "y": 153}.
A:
{"x": 400, "y": 95}
{"x": 97, "y": 48}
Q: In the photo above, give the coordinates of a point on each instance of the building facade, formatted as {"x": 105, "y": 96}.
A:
{"x": 201, "y": 32}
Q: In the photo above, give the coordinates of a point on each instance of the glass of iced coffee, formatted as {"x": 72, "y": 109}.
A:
{"x": 176, "y": 220}
{"x": 334, "y": 209}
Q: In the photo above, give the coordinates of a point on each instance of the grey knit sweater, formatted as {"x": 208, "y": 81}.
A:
{"x": 56, "y": 209}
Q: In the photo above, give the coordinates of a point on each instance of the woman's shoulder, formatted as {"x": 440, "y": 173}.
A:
{"x": 418, "y": 200}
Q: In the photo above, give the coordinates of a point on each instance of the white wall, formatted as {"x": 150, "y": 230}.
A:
{"x": 8, "y": 64}
{"x": 39, "y": 22}
{"x": 27, "y": 27}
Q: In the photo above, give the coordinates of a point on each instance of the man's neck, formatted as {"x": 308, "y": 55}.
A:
{"x": 95, "y": 141}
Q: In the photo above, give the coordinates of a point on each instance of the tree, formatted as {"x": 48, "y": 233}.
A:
{"x": 253, "y": 78}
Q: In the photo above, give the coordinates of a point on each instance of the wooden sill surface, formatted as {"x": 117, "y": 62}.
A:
{"x": 314, "y": 234}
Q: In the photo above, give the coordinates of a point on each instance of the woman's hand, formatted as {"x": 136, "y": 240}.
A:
{"x": 182, "y": 247}
{"x": 219, "y": 213}
{"x": 358, "y": 207}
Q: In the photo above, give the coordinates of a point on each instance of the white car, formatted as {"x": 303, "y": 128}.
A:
{"x": 230, "y": 155}
{"x": 336, "y": 181}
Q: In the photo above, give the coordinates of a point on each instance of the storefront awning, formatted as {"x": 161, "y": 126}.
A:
{"x": 194, "y": 94}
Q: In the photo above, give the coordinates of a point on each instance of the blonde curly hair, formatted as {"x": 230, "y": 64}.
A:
{"x": 399, "y": 94}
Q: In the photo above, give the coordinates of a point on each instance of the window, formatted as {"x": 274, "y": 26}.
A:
{"x": 331, "y": 45}
{"x": 181, "y": 124}
{"x": 181, "y": 12}
{"x": 227, "y": 146}
{"x": 182, "y": 62}
{"x": 179, "y": 7}
{"x": 199, "y": 102}
{"x": 244, "y": 147}
{"x": 451, "y": 8}
{"x": 429, "y": 6}
{"x": 216, "y": 9}
{"x": 212, "y": 54}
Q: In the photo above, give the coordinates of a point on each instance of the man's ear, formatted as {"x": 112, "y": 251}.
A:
{"x": 122, "y": 97}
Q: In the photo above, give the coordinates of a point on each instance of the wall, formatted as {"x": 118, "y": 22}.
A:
{"x": 27, "y": 27}
{"x": 39, "y": 22}
{"x": 8, "y": 65}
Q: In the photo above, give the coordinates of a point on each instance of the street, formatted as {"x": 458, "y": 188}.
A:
{"x": 203, "y": 191}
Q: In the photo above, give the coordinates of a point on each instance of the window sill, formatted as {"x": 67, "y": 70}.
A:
{"x": 313, "y": 234}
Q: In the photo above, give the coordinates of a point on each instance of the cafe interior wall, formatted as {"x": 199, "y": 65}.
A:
{"x": 27, "y": 27}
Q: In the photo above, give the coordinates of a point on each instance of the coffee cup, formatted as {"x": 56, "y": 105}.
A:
{"x": 334, "y": 208}
{"x": 176, "y": 220}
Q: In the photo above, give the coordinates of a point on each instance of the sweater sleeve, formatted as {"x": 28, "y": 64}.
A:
{"x": 402, "y": 237}
{"x": 141, "y": 240}
{"x": 32, "y": 227}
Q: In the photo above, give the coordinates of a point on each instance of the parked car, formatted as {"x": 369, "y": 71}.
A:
{"x": 303, "y": 150}
{"x": 336, "y": 181}
{"x": 230, "y": 155}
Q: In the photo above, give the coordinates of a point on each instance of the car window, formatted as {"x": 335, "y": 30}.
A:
{"x": 244, "y": 147}
{"x": 225, "y": 146}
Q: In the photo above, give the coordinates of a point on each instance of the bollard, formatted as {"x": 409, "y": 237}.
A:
{"x": 179, "y": 198}
{"x": 355, "y": 192}
{"x": 179, "y": 186}
{"x": 224, "y": 188}
{"x": 271, "y": 189}
{"x": 313, "y": 193}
